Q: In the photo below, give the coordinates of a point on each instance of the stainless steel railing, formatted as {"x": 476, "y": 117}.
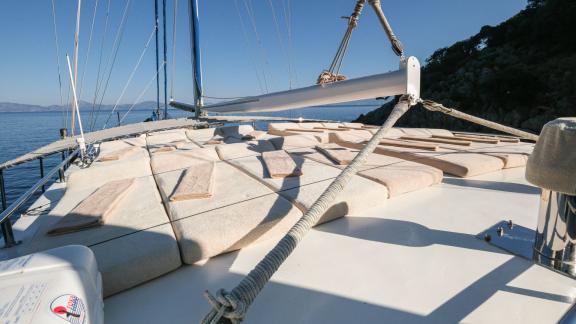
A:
{"x": 8, "y": 211}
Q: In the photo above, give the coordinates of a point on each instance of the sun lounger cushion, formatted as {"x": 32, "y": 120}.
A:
{"x": 360, "y": 194}
{"x": 399, "y": 176}
{"x": 136, "y": 245}
{"x": 95, "y": 209}
{"x": 117, "y": 154}
{"x": 461, "y": 164}
{"x": 292, "y": 142}
{"x": 280, "y": 165}
{"x": 240, "y": 211}
{"x": 196, "y": 182}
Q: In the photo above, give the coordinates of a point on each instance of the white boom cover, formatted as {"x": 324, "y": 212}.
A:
{"x": 404, "y": 81}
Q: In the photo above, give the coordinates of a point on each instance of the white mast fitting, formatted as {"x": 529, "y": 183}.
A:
{"x": 80, "y": 140}
{"x": 404, "y": 81}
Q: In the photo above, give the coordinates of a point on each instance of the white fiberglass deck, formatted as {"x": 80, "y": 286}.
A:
{"x": 415, "y": 259}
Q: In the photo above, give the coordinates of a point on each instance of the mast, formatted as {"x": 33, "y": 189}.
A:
{"x": 76, "y": 35}
{"x": 157, "y": 62}
{"x": 196, "y": 59}
{"x": 165, "y": 60}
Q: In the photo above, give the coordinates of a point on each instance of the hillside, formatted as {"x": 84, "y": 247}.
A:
{"x": 521, "y": 73}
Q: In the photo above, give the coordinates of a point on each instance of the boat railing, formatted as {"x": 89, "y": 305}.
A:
{"x": 8, "y": 211}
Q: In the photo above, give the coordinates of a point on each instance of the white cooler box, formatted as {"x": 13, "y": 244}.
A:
{"x": 55, "y": 286}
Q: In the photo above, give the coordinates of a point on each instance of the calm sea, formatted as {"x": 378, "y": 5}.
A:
{"x": 23, "y": 132}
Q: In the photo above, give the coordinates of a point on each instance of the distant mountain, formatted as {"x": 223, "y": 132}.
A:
{"x": 521, "y": 73}
{"x": 84, "y": 107}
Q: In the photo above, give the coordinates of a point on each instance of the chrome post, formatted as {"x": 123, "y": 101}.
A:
{"x": 63, "y": 135}
{"x": 6, "y": 226}
{"x": 555, "y": 241}
{"x": 42, "y": 172}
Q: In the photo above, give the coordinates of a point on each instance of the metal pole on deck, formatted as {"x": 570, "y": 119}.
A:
{"x": 42, "y": 172}
{"x": 157, "y": 62}
{"x": 196, "y": 59}
{"x": 165, "y": 60}
{"x": 6, "y": 226}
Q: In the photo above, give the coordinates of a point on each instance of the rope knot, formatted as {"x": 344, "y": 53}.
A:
{"x": 226, "y": 308}
{"x": 329, "y": 77}
{"x": 434, "y": 106}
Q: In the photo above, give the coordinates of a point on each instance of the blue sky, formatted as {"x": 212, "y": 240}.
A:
{"x": 230, "y": 60}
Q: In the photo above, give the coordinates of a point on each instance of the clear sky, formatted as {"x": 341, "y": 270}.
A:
{"x": 231, "y": 59}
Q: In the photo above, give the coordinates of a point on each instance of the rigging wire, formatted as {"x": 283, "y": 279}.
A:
{"x": 282, "y": 47}
{"x": 98, "y": 80}
{"x": 89, "y": 48}
{"x": 250, "y": 11}
{"x": 175, "y": 13}
{"x": 246, "y": 43}
{"x": 287, "y": 5}
{"x": 132, "y": 74}
{"x": 141, "y": 93}
{"x": 64, "y": 119}
{"x": 113, "y": 56}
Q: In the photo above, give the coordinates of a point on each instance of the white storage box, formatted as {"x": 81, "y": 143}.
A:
{"x": 55, "y": 286}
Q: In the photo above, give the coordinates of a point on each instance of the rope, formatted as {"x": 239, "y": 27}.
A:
{"x": 331, "y": 75}
{"x": 397, "y": 46}
{"x": 98, "y": 80}
{"x": 64, "y": 120}
{"x": 113, "y": 56}
{"x": 141, "y": 94}
{"x": 89, "y": 48}
{"x": 232, "y": 306}
{"x": 252, "y": 19}
{"x": 434, "y": 106}
{"x": 131, "y": 75}
{"x": 287, "y": 5}
{"x": 282, "y": 47}
{"x": 246, "y": 44}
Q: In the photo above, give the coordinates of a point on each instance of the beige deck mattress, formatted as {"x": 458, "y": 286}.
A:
{"x": 512, "y": 154}
{"x": 241, "y": 210}
{"x": 416, "y": 131}
{"x": 391, "y": 133}
{"x": 135, "y": 245}
{"x": 294, "y": 142}
{"x": 361, "y": 137}
{"x": 360, "y": 195}
{"x": 221, "y": 135}
{"x": 182, "y": 159}
{"x": 399, "y": 176}
{"x": 295, "y": 129}
{"x": 247, "y": 148}
{"x": 458, "y": 163}
{"x": 165, "y": 137}
{"x": 95, "y": 210}
{"x": 99, "y": 173}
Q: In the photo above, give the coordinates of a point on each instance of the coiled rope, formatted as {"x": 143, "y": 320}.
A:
{"x": 332, "y": 74}
{"x": 231, "y": 307}
{"x": 434, "y": 106}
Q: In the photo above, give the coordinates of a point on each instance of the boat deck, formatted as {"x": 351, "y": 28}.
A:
{"x": 415, "y": 259}
{"x": 408, "y": 250}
